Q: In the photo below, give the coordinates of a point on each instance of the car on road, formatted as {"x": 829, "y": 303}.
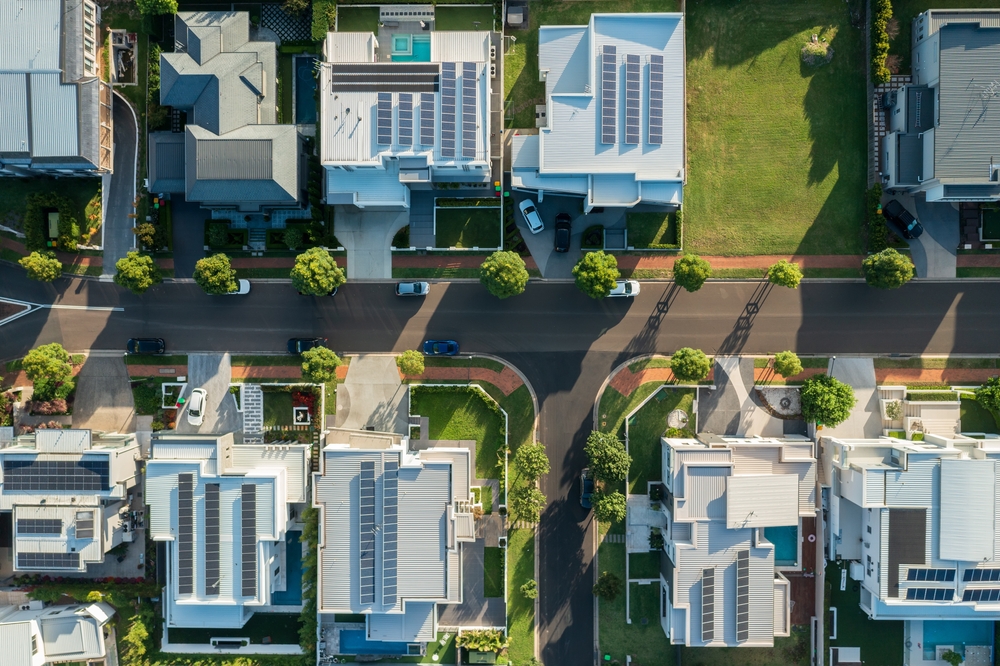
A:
{"x": 412, "y": 288}
{"x": 440, "y": 348}
{"x": 902, "y": 219}
{"x": 624, "y": 289}
{"x": 242, "y": 288}
{"x": 564, "y": 229}
{"x": 299, "y": 345}
{"x": 145, "y": 346}
{"x": 586, "y": 488}
{"x": 531, "y": 217}
{"x": 196, "y": 407}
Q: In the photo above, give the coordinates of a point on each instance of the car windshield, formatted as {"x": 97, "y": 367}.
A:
{"x": 529, "y": 210}
{"x": 912, "y": 225}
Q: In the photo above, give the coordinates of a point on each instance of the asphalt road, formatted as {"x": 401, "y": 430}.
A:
{"x": 118, "y": 236}
{"x": 564, "y": 342}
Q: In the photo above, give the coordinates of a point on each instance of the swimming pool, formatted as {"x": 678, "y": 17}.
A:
{"x": 305, "y": 90}
{"x": 411, "y": 48}
{"x": 354, "y": 641}
{"x": 786, "y": 544}
{"x": 292, "y": 596}
{"x": 957, "y": 633}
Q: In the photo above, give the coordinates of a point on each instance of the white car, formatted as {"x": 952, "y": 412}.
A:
{"x": 196, "y": 407}
{"x": 625, "y": 289}
{"x": 412, "y": 288}
{"x": 531, "y": 217}
{"x": 242, "y": 288}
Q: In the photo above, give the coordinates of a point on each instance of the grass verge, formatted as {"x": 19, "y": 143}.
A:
{"x": 979, "y": 272}
{"x": 520, "y": 610}
{"x": 938, "y": 363}
{"x": 651, "y": 230}
{"x": 258, "y": 360}
{"x": 357, "y": 19}
{"x": 464, "y": 18}
{"x": 614, "y": 406}
{"x": 156, "y": 359}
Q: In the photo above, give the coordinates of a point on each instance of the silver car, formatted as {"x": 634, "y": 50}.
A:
{"x": 625, "y": 289}
{"x": 412, "y": 288}
{"x": 196, "y": 407}
{"x": 531, "y": 217}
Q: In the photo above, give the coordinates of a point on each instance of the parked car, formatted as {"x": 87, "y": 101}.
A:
{"x": 441, "y": 348}
{"x": 242, "y": 288}
{"x": 412, "y": 288}
{"x": 586, "y": 488}
{"x": 145, "y": 346}
{"x": 299, "y": 345}
{"x": 624, "y": 289}
{"x": 564, "y": 229}
{"x": 196, "y": 407}
{"x": 902, "y": 219}
{"x": 531, "y": 216}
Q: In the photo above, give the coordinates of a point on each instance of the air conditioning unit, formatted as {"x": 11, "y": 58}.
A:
{"x": 25, "y": 606}
{"x": 493, "y": 70}
{"x": 493, "y": 52}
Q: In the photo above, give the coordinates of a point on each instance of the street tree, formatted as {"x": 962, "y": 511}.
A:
{"x": 530, "y": 460}
{"x": 504, "y": 274}
{"x": 690, "y": 365}
{"x": 609, "y": 461}
{"x": 596, "y": 273}
{"x": 215, "y": 274}
{"x": 609, "y": 507}
{"x": 888, "y": 269}
{"x": 47, "y": 362}
{"x": 316, "y": 273}
{"x": 157, "y": 6}
{"x": 526, "y": 502}
{"x": 410, "y": 362}
{"x": 691, "y": 271}
{"x": 787, "y": 364}
{"x": 136, "y": 272}
{"x": 530, "y": 589}
{"x": 826, "y": 400}
{"x": 42, "y": 266}
{"x": 608, "y": 586}
{"x": 319, "y": 365}
{"x": 785, "y": 274}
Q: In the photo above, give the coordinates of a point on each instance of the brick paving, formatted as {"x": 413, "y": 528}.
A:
{"x": 507, "y": 380}
{"x": 953, "y": 376}
{"x": 666, "y": 261}
{"x": 979, "y": 260}
{"x": 238, "y": 371}
{"x": 459, "y": 261}
{"x": 67, "y": 258}
{"x": 154, "y": 370}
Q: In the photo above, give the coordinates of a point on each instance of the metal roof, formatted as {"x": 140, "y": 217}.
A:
{"x": 30, "y": 35}
{"x": 968, "y": 510}
{"x": 762, "y": 500}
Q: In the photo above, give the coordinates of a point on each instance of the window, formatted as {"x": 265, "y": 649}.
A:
{"x": 88, "y": 29}
{"x": 90, "y": 65}
{"x": 88, "y": 44}
{"x": 869, "y": 529}
{"x": 88, "y": 11}
{"x": 34, "y": 644}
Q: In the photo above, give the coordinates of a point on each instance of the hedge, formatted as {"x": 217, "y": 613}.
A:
{"x": 324, "y": 18}
{"x": 36, "y": 224}
{"x": 881, "y": 13}
{"x": 878, "y": 232}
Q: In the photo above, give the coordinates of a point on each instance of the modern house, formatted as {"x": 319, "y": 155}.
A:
{"x": 614, "y": 113}
{"x": 944, "y": 126}
{"x": 734, "y": 509}
{"x": 229, "y": 516}
{"x": 57, "y": 116}
{"x": 33, "y": 635}
{"x": 391, "y": 122}
{"x": 232, "y": 153}
{"x": 67, "y": 494}
{"x": 392, "y": 524}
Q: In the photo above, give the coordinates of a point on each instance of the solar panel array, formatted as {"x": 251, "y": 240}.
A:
{"x": 469, "y": 110}
{"x": 426, "y": 119}
{"x": 84, "y": 524}
{"x": 185, "y": 533}
{"x": 39, "y": 526}
{"x": 743, "y": 595}
{"x": 708, "y": 605}
{"x": 384, "y": 77}
{"x": 655, "y": 99}
{"x": 212, "y": 539}
{"x": 86, "y": 474}
{"x": 934, "y": 574}
{"x": 405, "y": 119}
{"x": 609, "y": 94}
{"x": 632, "y": 93}
{"x": 981, "y": 574}
{"x": 974, "y": 595}
{"x": 390, "y": 500}
{"x": 367, "y": 550}
{"x": 448, "y": 109}
{"x": 933, "y": 594}
{"x": 384, "y": 119}
{"x": 48, "y": 560}
{"x": 249, "y": 539}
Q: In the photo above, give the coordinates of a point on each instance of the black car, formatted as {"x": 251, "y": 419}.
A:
{"x": 899, "y": 216}
{"x": 586, "y": 489}
{"x": 563, "y": 232}
{"x": 299, "y": 345}
{"x": 145, "y": 346}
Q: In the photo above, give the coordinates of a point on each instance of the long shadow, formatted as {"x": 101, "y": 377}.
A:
{"x": 738, "y": 337}
{"x": 645, "y": 341}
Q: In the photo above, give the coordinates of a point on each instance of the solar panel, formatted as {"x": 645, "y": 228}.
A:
{"x": 212, "y": 539}
{"x": 447, "y": 109}
{"x": 469, "y": 110}
{"x": 48, "y": 560}
{"x": 743, "y": 595}
{"x": 84, "y": 524}
{"x": 632, "y": 92}
{"x": 934, "y": 594}
{"x": 932, "y": 574}
{"x": 390, "y": 498}
{"x": 609, "y": 94}
{"x": 249, "y": 539}
{"x": 39, "y": 526}
{"x": 185, "y": 533}
{"x": 405, "y": 119}
{"x": 384, "y": 119}
{"x": 383, "y": 77}
{"x": 367, "y": 527}
{"x": 426, "y": 119}
{"x": 708, "y": 605}
{"x": 981, "y": 574}
{"x": 655, "y": 99}
{"x": 86, "y": 474}
{"x": 975, "y": 595}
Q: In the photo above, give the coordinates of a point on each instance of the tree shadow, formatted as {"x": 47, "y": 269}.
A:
{"x": 645, "y": 341}
{"x": 738, "y": 337}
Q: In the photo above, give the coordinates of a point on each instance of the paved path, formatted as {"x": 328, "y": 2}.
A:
{"x": 118, "y": 236}
{"x": 446, "y": 261}
{"x": 211, "y": 372}
{"x": 367, "y": 237}
{"x": 104, "y": 395}
{"x": 372, "y": 395}
{"x": 476, "y": 609}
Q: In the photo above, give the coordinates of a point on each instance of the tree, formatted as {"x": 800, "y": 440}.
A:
{"x": 827, "y": 400}
{"x": 504, "y": 274}
{"x": 691, "y": 271}
{"x": 531, "y": 461}
{"x": 145, "y": 233}
{"x": 894, "y": 410}
{"x": 526, "y": 502}
{"x": 316, "y": 273}
{"x": 136, "y": 272}
{"x": 596, "y": 274}
{"x": 609, "y": 507}
{"x": 319, "y": 365}
{"x": 293, "y": 237}
{"x": 411, "y": 362}
{"x": 952, "y": 657}
{"x": 785, "y": 274}
{"x": 609, "y": 461}
{"x": 157, "y": 6}
{"x": 530, "y": 589}
{"x": 42, "y": 266}
{"x": 887, "y": 270}
{"x": 988, "y": 395}
{"x": 690, "y": 365}
{"x": 48, "y": 362}
{"x": 787, "y": 364}
{"x": 608, "y": 586}
{"x": 215, "y": 274}
{"x": 295, "y": 7}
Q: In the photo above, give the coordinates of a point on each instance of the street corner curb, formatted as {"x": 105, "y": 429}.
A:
{"x": 523, "y": 378}
{"x": 611, "y": 375}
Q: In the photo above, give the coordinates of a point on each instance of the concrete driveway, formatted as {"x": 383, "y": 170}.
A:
{"x": 373, "y": 396}
{"x": 211, "y": 372}
{"x": 118, "y": 236}
{"x": 367, "y": 237}
{"x": 104, "y": 395}
{"x": 189, "y": 235}
{"x": 934, "y": 252}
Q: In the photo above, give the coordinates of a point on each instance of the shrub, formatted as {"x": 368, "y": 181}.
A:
{"x": 878, "y": 231}
{"x": 319, "y": 365}
{"x": 316, "y": 273}
{"x": 826, "y": 400}
{"x": 690, "y": 365}
{"x": 881, "y": 13}
{"x": 888, "y": 269}
{"x": 42, "y": 266}
{"x": 215, "y": 274}
{"x": 609, "y": 461}
{"x": 218, "y": 234}
{"x": 136, "y": 272}
{"x": 482, "y": 640}
{"x": 411, "y": 362}
{"x": 596, "y": 274}
{"x": 157, "y": 6}
{"x": 608, "y": 586}
{"x": 691, "y": 271}
{"x": 402, "y": 238}
{"x": 49, "y": 389}
{"x": 145, "y": 233}
{"x": 894, "y": 410}
{"x": 293, "y": 237}
{"x": 988, "y": 394}
{"x": 157, "y": 425}
{"x": 503, "y": 274}
{"x": 785, "y": 274}
{"x": 530, "y": 589}
{"x": 787, "y": 364}
{"x": 593, "y": 237}
{"x": 324, "y": 16}
{"x": 48, "y": 407}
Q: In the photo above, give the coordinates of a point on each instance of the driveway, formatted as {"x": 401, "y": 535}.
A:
{"x": 367, "y": 237}
{"x": 104, "y": 395}
{"x": 865, "y": 421}
{"x": 733, "y": 407}
{"x": 934, "y": 252}
{"x": 211, "y": 372}
{"x": 476, "y": 609}
{"x": 118, "y": 236}
{"x": 373, "y": 396}
{"x": 189, "y": 235}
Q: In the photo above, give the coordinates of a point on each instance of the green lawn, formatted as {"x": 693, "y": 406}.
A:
{"x": 464, "y": 18}
{"x": 286, "y": 76}
{"x": 976, "y": 418}
{"x": 980, "y": 272}
{"x": 644, "y": 565}
{"x": 881, "y": 641}
{"x": 520, "y": 610}
{"x": 776, "y": 150}
{"x": 906, "y": 10}
{"x": 649, "y": 363}
{"x": 645, "y": 430}
{"x": 14, "y": 193}
{"x": 614, "y": 405}
{"x": 330, "y": 395}
{"x": 792, "y": 651}
{"x": 283, "y": 628}
{"x": 357, "y": 19}
{"x": 467, "y": 227}
{"x": 493, "y": 570}
{"x": 462, "y": 413}
{"x": 936, "y": 363}
{"x": 278, "y": 408}
{"x": 651, "y": 229}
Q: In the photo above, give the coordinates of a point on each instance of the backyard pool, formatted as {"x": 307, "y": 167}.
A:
{"x": 959, "y": 634}
{"x": 292, "y": 596}
{"x": 353, "y": 641}
{"x": 786, "y": 544}
{"x": 411, "y": 48}
{"x": 305, "y": 90}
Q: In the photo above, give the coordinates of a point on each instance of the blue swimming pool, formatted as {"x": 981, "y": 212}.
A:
{"x": 411, "y": 48}
{"x": 786, "y": 544}
{"x": 957, "y": 633}
{"x": 305, "y": 90}
{"x": 292, "y": 596}
{"x": 354, "y": 641}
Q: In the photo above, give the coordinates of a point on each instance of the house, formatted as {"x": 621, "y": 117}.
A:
{"x": 614, "y": 113}
{"x": 734, "y": 509}
{"x": 57, "y": 116}
{"x": 33, "y": 635}
{"x": 232, "y": 153}
{"x": 392, "y": 122}
{"x": 944, "y": 126}
{"x": 228, "y": 514}
{"x": 67, "y": 493}
{"x": 392, "y": 524}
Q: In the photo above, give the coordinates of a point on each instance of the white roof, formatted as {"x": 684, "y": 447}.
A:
{"x": 29, "y": 35}
{"x": 762, "y": 500}
{"x": 968, "y": 507}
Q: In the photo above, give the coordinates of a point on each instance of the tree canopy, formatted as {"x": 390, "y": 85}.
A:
{"x": 215, "y": 274}
{"x": 316, "y": 273}
{"x": 787, "y": 364}
{"x": 42, "y": 266}
{"x": 504, "y": 274}
{"x": 609, "y": 461}
{"x": 319, "y": 365}
{"x": 596, "y": 274}
{"x": 690, "y": 365}
{"x": 526, "y": 502}
{"x": 47, "y": 362}
{"x": 988, "y": 394}
{"x": 410, "y": 362}
{"x": 157, "y": 6}
{"x": 609, "y": 507}
{"x": 691, "y": 271}
{"x": 827, "y": 400}
{"x": 531, "y": 461}
{"x": 785, "y": 274}
{"x": 888, "y": 269}
{"x": 608, "y": 586}
{"x": 136, "y": 272}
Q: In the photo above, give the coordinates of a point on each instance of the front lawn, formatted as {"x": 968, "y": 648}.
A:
{"x": 14, "y": 193}
{"x": 520, "y": 609}
{"x": 281, "y": 628}
{"x": 467, "y": 227}
{"x": 652, "y": 230}
{"x": 644, "y": 565}
{"x": 776, "y": 149}
{"x": 357, "y": 19}
{"x": 461, "y": 413}
{"x": 464, "y": 18}
{"x": 493, "y": 571}
{"x": 645, "y": 430}
{"x": 881, "y": 641}
{"x": 277, "y": 408}
{"x": 614, "y": 405}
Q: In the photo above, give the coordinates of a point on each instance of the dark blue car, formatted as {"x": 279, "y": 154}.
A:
{"x": 586, "y": 489}
{"x": 441, "y": 348}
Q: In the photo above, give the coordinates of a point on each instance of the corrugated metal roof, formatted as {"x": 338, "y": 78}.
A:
{"x": 234, "y": 180}
{"x": 14, "y": 113}
{"x": 984, "y": 18}
{"x": 62, "y": 441}
{"x": 228, "y": 159}
{"x": 460, "y": 46}
{"x": 565, "y": 53}
{"x": 415, "y": 624}
{"x": 16, "y": 639}
{"x": 968, "y": 506}
{"x": 53, "y": 117}
{"x": 166, "y": 162}
{"x": 349, "y": 47}
{"x": 293, "y": 459}
{"x": 762, "y": 500}
{"x": 30, "y": 35}
{"x": 72, "y": 636}
{"x": 705, "y": 492}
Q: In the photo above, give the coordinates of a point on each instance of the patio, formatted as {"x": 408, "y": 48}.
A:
{"x": 642, "y": 517}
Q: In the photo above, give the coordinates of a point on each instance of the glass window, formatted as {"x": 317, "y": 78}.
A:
{"x": 91, "y": 67}
{"x": 88, "y": 29}
{"x": 88, "y": 44}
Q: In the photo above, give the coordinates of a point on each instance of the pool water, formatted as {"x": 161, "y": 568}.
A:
{"x": 305, "y": 90}
{"x": 957, "y": 633}
{"x": 354, "y": 641}
{"x": 786, "y": 544}
{"x": 292, "y": 596}
{"x": 411, "y": 48}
